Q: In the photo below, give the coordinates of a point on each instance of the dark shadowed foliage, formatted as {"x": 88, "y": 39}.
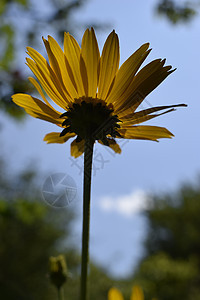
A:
{"x": 30, "y": 232}
{"x": 171, "y": 268}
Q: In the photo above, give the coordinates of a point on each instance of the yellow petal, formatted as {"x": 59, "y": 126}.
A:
{"x": 73, "y": 53}
{"x": 145, "y": 132}
{"x": 37, "y": 108}
{"x": 144, "y": 115}
{"x": 54, "y": 137}
{"x": 137, "y": 293}
{"x": 109, "y": 64}
{"x": 52, "y": 61}
{"x": 43, "y": 117}
{"x": 49, "y": 73}
{"x": 115, "y": 294}
{"x": 77, "y": 148}
{"x": 113, "y": 145}
{"x": 143, "y": 83}
{"x": 38, "y": 88}
{"x": 48, "y": 83}
{"x": 57, "y": 60}
{"x": 91, "y": 56}
{"x": 127, "y": 72}
{"x": 137, "y": 120}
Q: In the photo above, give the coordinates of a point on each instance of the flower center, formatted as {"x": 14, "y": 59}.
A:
{"x": 91, "y": 118}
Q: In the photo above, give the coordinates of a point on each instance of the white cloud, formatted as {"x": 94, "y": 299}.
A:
{"x": 126, "y": 205}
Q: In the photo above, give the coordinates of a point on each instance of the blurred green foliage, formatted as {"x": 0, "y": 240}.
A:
{"x": 30, "y": 233}
{"x": 171, "y": 267}
{"x": 177, "y": 12}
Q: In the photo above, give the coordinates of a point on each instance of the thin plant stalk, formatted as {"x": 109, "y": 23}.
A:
{"x": 88, "y": 152}
{"x": 60, "y": 294}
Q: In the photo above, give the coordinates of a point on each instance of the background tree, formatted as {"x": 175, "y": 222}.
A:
{"x": 171, "y": 268}
{"x": 178, "y": 11}
{"x": 31, "y": 232}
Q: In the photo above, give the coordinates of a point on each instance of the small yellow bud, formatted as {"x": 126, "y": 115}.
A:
{"x": 58, "y": 270}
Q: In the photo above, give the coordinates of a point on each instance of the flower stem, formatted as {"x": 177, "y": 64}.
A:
{"x": 88, "y": 152}
{"x": 60, "y": 294}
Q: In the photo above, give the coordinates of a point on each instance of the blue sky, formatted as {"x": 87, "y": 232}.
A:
{"x": 120, "y": 182}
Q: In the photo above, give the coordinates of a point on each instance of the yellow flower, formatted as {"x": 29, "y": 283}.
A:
{"x": 99, "y": 99}
{"x": 115, "y": 294}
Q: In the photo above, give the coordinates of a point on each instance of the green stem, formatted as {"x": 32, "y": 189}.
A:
{"x": 88, "y": 152}
{"x": 60, "y": 294}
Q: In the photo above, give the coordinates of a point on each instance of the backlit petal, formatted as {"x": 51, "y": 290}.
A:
{"x": 73, "y": 53}
{"x": 144, "y": 115}
{"x": 137, "y": 120}
{"x": 147, "y": 79}
{"x": 77, "y": 148}
{"x": 54, "y": 137}
{"x": 113, "y": 145}
{"x": 109, "y": 64}
{"x": 126, "y": 73}
{"x": 57, "y": 60}
{"x": 145, "y": 132}
{"x": 38, "y": 88}
{"x": 91, "y": 56}
{"x": 49, "y": 73}
{"x": 37, "y": 108}
{"x": 48, "y": 85}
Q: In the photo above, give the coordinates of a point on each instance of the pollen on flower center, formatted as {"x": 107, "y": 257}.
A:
{"x": 91, "y": 118}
